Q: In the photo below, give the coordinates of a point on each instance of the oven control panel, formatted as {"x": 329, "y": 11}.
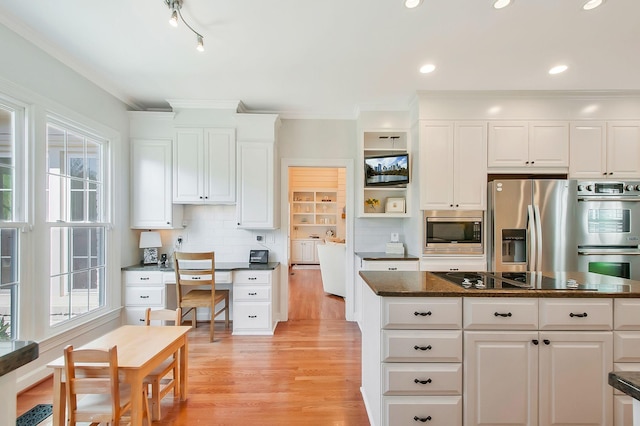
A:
{"x": 609, "y": 188}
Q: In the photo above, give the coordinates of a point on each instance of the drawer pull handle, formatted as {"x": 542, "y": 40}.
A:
{"x": 535, "y": 341}
{"x": 253, "y": 278}
{"x": 422, "y": 314}
{"x": 547, "y": 342}
{"x": 144, "y": 297}
{"x": 422, "y": 348}
{"x": 141, "y": 320}
{"x": 582, "y": 315}
{"x": 391, "y": 268}
{"x": 422, "y": 382}
{"x": 498, "y": 314}
{"x": 253, "y": 316}
{"x": 195, "y": 278}
{"x": 144, "y": 278}
{"x": 253, "y": 294}
{"x": 421, "y": 419}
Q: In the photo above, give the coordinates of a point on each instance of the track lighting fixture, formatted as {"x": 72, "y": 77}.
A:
{"x": 176, "y": 6}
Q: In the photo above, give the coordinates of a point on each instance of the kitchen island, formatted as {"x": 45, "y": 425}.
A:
{"x": 434, "y": 351}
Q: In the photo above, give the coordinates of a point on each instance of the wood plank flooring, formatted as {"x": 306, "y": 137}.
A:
{"x": 308, "y": 373}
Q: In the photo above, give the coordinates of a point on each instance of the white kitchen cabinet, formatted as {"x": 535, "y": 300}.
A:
{"x": 547, "y": 377}
{"x": 452, "y": 173}
{"x": 304, "y": 251}
{"x": 255, "y": 294}
{"x": 411, "y": 353}
{"x": 258, "y": 204}
{"x": 204, "y": 166}
{"x": 453, "y": 263}
{"x": 142, "y": 290}
{"x": 151, "y": 184}
{"x": 626, "y": 353}
{"x": 522, "y": 145}
{"x": 605, "y": 150}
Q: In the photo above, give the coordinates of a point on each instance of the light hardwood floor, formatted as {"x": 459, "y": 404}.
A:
{"x": 308, "y": 373}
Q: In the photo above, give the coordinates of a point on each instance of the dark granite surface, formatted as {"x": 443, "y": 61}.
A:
{"x": 220, "y": 266}
{"x": 379, "y": 255}
{"x": 15, "y": 354}
{"x": 426, "y": 284}
{"x": 627, "y": 382}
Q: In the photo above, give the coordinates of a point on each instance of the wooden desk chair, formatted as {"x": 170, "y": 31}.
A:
{"x": 94, "y": 391}
{"x": 160, "y": 381}
{"x": 191, "y": 299}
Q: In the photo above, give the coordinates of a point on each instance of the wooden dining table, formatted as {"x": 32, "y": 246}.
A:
{"x": 140, "y": 350}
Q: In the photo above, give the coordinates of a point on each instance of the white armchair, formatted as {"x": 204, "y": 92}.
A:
{"x": 333, "y": 267}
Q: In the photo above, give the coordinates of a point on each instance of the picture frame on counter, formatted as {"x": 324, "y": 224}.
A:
{"x": 394, "y": 205}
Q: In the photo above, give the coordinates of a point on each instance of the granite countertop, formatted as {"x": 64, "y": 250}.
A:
{"x": 380, "y": 255}
{"x": 426, "y": 284}
{"x": 220, "y": 266}
{"x": 16, "y": 353}
{"x": 627, "y": 382}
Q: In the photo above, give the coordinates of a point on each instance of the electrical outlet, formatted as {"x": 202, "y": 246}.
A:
{"x": 260, "y": 238}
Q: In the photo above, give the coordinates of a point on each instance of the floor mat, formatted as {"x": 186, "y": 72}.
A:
{"x": 35, "y": 415}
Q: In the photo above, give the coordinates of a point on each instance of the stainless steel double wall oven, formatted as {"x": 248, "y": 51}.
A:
{"x": 608, "y": 222}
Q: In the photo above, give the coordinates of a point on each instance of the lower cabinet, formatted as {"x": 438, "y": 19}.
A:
{"x": 517, "y": 376}
{"x": 304, "y": 251}
{"x": 142, "y": 290}
{"x": 254, "y": 300}
{"x": 626, "y": 354}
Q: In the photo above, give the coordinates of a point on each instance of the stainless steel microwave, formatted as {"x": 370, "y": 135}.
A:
{"x": 453, "y": 232}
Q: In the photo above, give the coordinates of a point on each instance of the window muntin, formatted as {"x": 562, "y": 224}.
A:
{"x": 76, "y": 212}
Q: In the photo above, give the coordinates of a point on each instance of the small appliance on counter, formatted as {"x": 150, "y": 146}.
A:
{"x": 259, "y": 256}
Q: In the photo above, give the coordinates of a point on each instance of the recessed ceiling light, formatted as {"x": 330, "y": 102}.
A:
{"x": 410, "y": 4}
{"x": 558, "y": 69}
{"x": 499, "y": 4}
{"x": 592, "y": 4}
{"x": 427, "y": 68}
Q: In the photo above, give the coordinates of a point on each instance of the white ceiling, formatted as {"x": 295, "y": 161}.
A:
{"x": 332, "y": 58}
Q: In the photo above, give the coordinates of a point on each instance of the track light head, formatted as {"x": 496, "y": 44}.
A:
{"x": 173, "y": 21}
{"x": 176, "y": 6}
{"x": 200, "y": 46}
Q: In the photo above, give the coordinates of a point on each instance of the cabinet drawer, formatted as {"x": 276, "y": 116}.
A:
{"x": 404, "y": 265}
{"x": 251, "y": 316}
{"x": 252, "y": 294}
{"x": 626, "y": 346}
{"x": 422, "y": 313}
{"x": 488, "y": 313}
{"x": 421, "y": 346}
{"x": 144, "y": 296}
{"x": 249, "y": 277}
{"x": 422, "y": 379}
{"x": 625, "y": 314}
{"x": 143, "y": 278}
{"x": 135, "y": 316}
{"x": 431, "y": 410}
{"x": 576, "y": 314}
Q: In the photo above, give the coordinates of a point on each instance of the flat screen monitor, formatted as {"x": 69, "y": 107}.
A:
{"x": 386, "y": 170}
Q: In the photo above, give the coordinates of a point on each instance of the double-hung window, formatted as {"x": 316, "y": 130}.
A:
{"x": 12, "y": 177}
{"x": 77, "y": 217}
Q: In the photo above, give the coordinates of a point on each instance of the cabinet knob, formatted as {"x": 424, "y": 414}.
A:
{"x": 532, "y": 162}
{"x": 535, "y": 341}
{"x": 526, "y": 162}
{"x": 610, "y": 173}
{"x": 201, "y": 197}
{"x": 547, "y": 341}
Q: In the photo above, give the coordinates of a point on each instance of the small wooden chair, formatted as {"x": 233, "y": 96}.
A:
{"x": 94, "y": 392}
{"x": 160, "y": 381}
{"x": 191, "y": 299}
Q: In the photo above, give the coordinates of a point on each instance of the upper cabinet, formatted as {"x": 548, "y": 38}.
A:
{"x": 257, "y": 206}
{"x": 605, "y": 150}
{"x": 453, "y": 173}
{"x": 204, "y": 161}
{"x": 386, "y": 153}
{"x": 151, "y": 205}
{"x": 523, "y": 146}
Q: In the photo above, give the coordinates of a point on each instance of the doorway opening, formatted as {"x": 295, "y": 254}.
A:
{"x": 315, "y": 212}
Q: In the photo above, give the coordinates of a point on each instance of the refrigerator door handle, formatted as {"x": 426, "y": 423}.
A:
{"x": 531, "y": 246}
{"x": 538, "y": 220}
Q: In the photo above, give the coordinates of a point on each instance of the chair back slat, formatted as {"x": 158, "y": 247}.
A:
{"x": 163, "y": 315}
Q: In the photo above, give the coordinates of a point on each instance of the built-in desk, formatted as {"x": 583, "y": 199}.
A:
{"x": 254, "y": 290}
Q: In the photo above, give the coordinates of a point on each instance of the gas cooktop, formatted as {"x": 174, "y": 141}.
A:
{"x": 512, "y": 281}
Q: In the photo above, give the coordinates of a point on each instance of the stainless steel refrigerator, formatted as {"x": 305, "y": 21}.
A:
{"x": 530, "y": 225}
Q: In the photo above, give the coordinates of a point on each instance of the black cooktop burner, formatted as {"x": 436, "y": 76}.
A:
{"x": 511, "y": 281}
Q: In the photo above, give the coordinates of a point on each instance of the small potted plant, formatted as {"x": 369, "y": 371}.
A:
{"x": 372, "y": 203}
